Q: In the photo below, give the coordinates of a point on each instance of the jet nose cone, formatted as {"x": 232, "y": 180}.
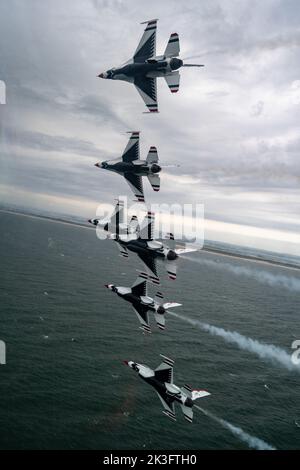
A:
{"x": 125, "y": 362}
{"x": 101, "y": 75}
{"x": 106, "y": 285}
{"x": 90, "y": 221}
{"x": 97, "y": 165}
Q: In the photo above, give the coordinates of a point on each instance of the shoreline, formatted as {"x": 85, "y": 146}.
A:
{"x": 207, "y": 249}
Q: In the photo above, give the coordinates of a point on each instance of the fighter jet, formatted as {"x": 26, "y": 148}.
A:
{"x": 162, "y": 380}
{"x": 145, "y": 66}
{"x": 133, "y": 169}
{"x": 143, "y": 304}
{"x": 139, "y": 240}
{"x": 115, "y": 223}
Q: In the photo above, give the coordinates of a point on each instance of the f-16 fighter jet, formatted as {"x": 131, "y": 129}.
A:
{"x": 143, "y": 304}
{"x": 162, "y": 380}
{"x": 145, "y": 66}
{"x": 115, "y": 223}
{"x": 140, "y": 241}
{"x": 133, "y": 169}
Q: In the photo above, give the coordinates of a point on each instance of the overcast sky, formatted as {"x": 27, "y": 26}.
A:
{"x": 233, "y": 127}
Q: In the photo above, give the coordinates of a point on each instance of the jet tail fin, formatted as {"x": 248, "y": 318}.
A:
{"x": 173, "y": 46}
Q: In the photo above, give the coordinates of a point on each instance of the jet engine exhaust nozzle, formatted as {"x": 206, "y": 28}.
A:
{"x": 171, "y": 255}
{"x": 161, "y": 310}
{"x": 155, "y": 168}
{"x": 93, "y": 221}
{"x": 175, "y": 63}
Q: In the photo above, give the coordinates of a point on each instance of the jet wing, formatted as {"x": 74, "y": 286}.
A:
{"x": 142, "y": 314}
{"x": 147, "y": 44}
{"x": 123, "y": 250}
{"x": 147, "y": 88}
{"x": 168, "y": 404}
{"x": 164, "y": 372}
{"x": 136, "y": 184}
{"x": 139, "y": 287}
{"x": 132, "y": 149}
{"x": 151, "y": 265}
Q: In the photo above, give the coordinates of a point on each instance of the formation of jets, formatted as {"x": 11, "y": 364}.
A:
{"x": 142, "y": 70}
{"x": 161, "y": 379}
{"x": 139, "y": 239}
{"x": 145, "y": 66}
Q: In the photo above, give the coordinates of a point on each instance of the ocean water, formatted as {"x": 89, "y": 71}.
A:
{"x": 64, "y": 385}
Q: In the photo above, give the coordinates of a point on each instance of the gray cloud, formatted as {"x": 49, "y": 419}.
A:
{"x": 48, "y": 143}
{"x": 233, "y": 126}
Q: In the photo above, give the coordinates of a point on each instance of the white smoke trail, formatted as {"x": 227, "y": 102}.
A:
{"x": 252, "y": 441}
{"x": 275, "y": 280}
{"x": 266, "y": 352}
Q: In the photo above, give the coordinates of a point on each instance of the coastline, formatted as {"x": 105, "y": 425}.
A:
{"x": 206, "y": 249}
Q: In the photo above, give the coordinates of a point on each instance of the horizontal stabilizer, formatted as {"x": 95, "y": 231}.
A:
{"x": 171, "y": 269}
{"x": 152, "y": 156}
{"x": 188, "y": 413}
{"x": 173, "y": 81}
{"x": 154, "y": 180}
{"x": 160, "y": 320}
{"x": 173, "y": 46}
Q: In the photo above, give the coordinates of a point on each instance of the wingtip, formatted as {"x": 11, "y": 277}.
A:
{"x": 149, "y": 21}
